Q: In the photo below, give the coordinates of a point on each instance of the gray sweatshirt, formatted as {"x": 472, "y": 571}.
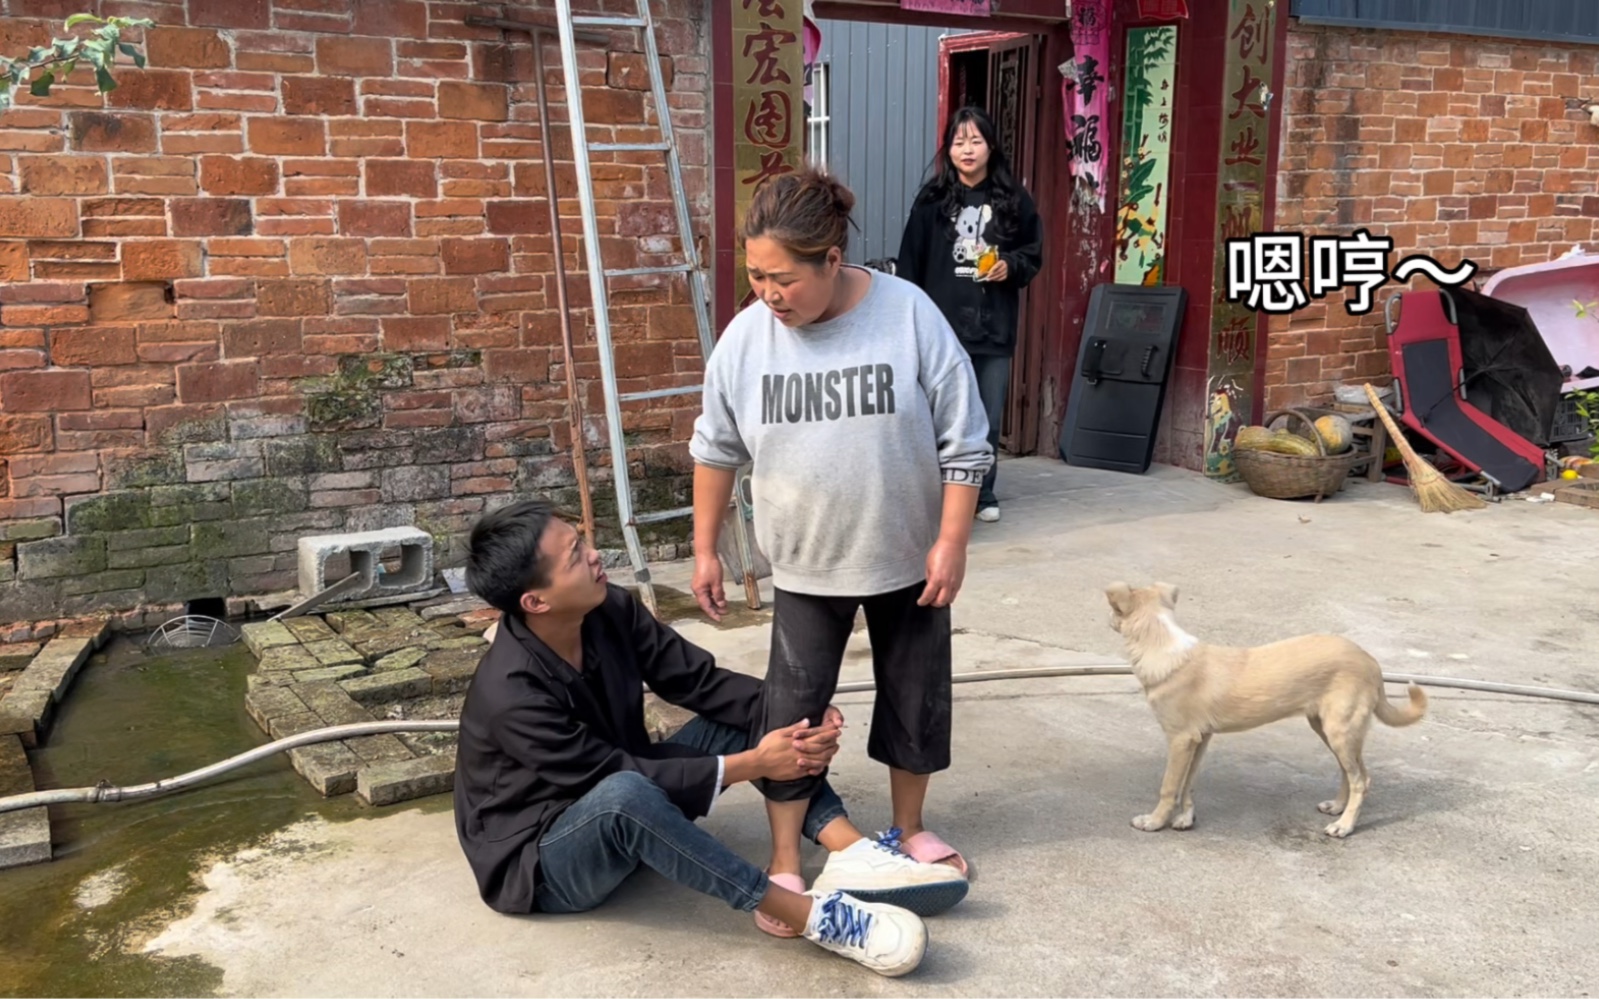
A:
{"x": 853, "y": 425}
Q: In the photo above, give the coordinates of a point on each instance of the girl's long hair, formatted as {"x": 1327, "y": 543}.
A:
{"x": 944, "y": 187}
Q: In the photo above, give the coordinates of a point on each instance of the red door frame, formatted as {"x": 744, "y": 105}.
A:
{"x": 1027, "y": 376}
{"x": 1058, "y": 292}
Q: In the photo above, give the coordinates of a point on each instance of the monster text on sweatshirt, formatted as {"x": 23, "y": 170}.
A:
{"x": 854, "y": 426}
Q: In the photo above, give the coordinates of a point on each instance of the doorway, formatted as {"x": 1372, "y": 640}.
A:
{"x": 878, "y": 121}
{"x": 881, "y": 95}
{"x": 1000, "y": 72}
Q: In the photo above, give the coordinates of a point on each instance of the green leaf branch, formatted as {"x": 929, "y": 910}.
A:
{"x": 47, "y": 65}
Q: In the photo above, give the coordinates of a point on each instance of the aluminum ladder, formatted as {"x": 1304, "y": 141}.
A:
{"x": 599, "y": 276}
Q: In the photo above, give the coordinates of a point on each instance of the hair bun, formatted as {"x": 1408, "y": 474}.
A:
{"x": 806, "y": 210}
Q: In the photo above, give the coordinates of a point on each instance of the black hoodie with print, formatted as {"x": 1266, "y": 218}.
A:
{"x": 939, "y": 255}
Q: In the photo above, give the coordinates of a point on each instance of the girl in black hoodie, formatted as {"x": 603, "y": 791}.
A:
{"x": 973, "y": 242}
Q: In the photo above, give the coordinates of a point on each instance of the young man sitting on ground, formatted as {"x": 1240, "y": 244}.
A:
{"x": 560, "y": 794}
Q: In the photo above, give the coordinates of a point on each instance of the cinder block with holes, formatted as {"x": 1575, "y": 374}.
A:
{"x": 367, "y": 551}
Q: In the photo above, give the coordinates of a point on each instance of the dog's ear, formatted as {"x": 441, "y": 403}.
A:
{"x": 1120, "y": 596}
{"x": 1168, "y": 594}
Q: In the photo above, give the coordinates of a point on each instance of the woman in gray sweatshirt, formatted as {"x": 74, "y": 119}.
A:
{"x": 859, "y": 409}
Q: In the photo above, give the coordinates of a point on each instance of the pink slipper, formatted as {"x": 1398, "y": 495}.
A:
{"x": 777, "y": 928}
{"x": 927, "y": 848}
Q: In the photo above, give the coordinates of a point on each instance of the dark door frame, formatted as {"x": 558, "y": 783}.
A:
{"x": 1019, "y": 432}
{"x": 1057, "y": 283}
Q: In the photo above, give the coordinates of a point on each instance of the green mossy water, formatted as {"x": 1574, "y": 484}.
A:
{"x": 131, "y": 718}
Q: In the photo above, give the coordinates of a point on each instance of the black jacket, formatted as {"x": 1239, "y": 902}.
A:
{"x": 983, "y": 314}
{"x": 534, "y": 738}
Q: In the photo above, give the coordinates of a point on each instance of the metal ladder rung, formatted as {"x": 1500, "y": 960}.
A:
{"x": 660, "y": 515}
{"x": 639, "y": 271}
{"x": 593, "y": 21}
{"x": 693, "y": 270}
{"x": 661, "y": 393}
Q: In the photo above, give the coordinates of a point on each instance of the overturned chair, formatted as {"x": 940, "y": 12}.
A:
{"x": 1424, "y": 349}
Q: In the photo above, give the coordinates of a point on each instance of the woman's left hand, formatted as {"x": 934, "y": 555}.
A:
{"x": 946, "y": 570}
{"x": 999, "y": 272}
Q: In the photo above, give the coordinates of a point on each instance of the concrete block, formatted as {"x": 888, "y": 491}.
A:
{"x": 346, "y": 622}
{"x": 452, "y": 671}
{"x": 57, "y": 664}
{"x": 398, "y": 618}
{"x": 310, "y": 629}
{"x": 464, "y": 642}
{"x": 662, "y": 720}
{"x": 392, "y": 685}
{"x": 27, "y": 708}
{"x": 284, "y": 726}
{"x": 24, "y": 837}
{"x": 265, "y": 704}
{"x": 378, "y": 749}
{"x": 329, "y": 673}
{"x": 331, "y": 703}
{"x": 264, "y": 635}
{"x": 334, "y": 652}
{"x": 17, "y": 655}
{"x": 289, "y": 657}
{"x": 16, "y": 777}
{"x": 329, "y": 767}
{"x": 403, "y": 659}
{"x": 453, "y": 608}
{"x": 381, "y": 644}
{"x": 26, "y": 714}
{"x": 366, "y": 550}
{"x": 390, "y": 783}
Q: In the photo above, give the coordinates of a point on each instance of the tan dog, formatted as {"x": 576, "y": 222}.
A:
{"x": 1198, "y": 690}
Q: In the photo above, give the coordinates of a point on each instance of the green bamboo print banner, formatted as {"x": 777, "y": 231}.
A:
{"x": 1146, "y": 155}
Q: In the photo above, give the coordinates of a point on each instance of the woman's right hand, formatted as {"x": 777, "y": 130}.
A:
{"x": 708, "y": 586}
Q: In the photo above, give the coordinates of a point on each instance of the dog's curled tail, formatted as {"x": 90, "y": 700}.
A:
{"x": 1410, "y": 714}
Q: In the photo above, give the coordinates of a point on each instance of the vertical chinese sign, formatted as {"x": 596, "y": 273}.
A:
{"x": 1146, "y": 155}
{"x": 1240, "y": 212}
{"x": 1083, "y": 94}
{"x": 768, "y": 120}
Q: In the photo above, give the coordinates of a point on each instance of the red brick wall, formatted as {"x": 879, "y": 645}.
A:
{"x": 1455, "y": 146}
{"x": 292, "y": 278}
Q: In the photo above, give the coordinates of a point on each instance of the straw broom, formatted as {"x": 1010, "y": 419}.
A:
{"x": 1433, "y": 491}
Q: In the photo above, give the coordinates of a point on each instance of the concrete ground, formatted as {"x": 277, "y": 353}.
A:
{"x": 1473, "y": 871}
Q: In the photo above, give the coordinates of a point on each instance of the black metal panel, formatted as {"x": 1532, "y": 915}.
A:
{"x": 1123, "y": 365}
{"x": 1539, "y": 20}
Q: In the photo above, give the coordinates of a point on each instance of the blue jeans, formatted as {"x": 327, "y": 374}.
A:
{"x": 993, "y": 382}
{"x": 627, "y": 820}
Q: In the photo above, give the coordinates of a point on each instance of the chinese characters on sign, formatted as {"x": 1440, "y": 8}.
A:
{"x": 1265, "y": 270}
{"x": 1240, "y": 212}
{"x": 1084, "y": 96}
{"x": 768, "y": 72}
{"x": 1146, "y": 155}
{"x": 970, "y": 8}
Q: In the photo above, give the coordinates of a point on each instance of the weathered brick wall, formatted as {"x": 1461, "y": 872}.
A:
{"x": 294, "y": 278}
{"x": 1455, "y": 146}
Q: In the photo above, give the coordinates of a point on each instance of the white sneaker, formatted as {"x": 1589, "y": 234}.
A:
{"x": 989, "y": 515}
{"x": 872, "y": 872}
{"x": 888, "y": 940}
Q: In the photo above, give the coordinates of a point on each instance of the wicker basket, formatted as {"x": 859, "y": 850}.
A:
{"x": 1293, "y": 476}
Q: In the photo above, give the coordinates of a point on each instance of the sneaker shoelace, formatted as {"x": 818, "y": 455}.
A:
{"x": 890, "y": 841}
{"x": 842, "y": 923}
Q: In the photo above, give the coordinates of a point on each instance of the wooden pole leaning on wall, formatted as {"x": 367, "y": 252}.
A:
{"x": 540, "y": 33}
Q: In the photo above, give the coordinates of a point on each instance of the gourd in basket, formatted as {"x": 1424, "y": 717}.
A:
{"x": 1279, "y": 464}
